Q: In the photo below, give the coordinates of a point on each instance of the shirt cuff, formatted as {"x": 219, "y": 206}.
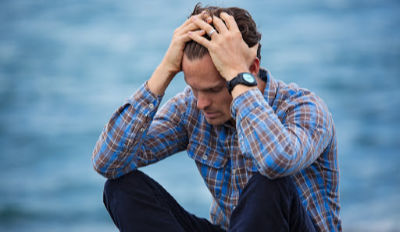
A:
{"x": 145, "y": 100}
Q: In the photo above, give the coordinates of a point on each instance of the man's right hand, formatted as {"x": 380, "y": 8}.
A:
{"x": 172, "y": 61}
{"x": 173, "y": 57}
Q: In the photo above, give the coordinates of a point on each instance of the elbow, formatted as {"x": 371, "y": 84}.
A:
{"x": 113, "y": 160}
{"x": 102, "y": 171}
{"x": 101, "y": 167}
{"x": 280, "y": 164}
{"x": 109, "y": 169}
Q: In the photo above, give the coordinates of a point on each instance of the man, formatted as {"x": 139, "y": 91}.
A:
{"x": 266, "y": 150}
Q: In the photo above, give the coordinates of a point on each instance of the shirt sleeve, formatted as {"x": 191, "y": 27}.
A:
{"x": 136, "y": 136}
{"x": 286, "y": 143}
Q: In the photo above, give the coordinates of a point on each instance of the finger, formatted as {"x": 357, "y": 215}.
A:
{"x": 206, "y": 17}
{"x": 197, "y": 37}
{"x": 204, "y": 26}
{"x": 189, "y": 20}
{"x": 187, "y": 38}
{"x": 219, "y": 25}
{"x": 229, "y": 21}
{"x": 209, "y": 19}
{"x": 189, "y": 27}
{"x": 185, "y": 23}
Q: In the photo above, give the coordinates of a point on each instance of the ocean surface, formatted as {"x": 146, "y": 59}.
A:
{"x": 66, "y": 66}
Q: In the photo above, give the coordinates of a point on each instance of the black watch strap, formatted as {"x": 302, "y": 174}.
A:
{"x": 242, "y": 78}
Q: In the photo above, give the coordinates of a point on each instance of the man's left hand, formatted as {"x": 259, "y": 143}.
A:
{"x": 229, "y": 52}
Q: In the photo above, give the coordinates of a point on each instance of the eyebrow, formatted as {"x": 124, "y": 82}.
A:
{"x": 219, "y": 85}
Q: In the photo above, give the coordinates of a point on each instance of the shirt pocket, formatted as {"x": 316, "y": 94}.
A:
{"x": 205, "y": 155}
{"x": 212, "y": 166}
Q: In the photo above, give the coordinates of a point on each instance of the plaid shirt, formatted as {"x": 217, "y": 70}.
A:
{"x": 287, "y": 131}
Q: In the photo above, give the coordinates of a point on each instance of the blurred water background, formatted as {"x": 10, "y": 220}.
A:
{"x": 65, "y": 66}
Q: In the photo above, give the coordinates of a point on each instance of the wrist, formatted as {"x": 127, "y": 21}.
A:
{"x": 247, "y": 79}
{"x": 160, "y": 80}
{"x": 166, "y": 70}
{"x": 234, "y": 72}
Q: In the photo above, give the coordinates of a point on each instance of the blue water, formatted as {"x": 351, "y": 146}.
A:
{"x": 65, "y": 66}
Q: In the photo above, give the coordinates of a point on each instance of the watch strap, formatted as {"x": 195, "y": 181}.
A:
{"x": 239, "y": 79}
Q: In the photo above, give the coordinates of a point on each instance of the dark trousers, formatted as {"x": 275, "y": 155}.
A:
{"x": 138, "y": 203}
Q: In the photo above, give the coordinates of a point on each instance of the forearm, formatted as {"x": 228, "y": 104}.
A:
{"x": 280, "y": 145}
{"x": 172, "y": 61}
{"x": 120, "y": 140}
{"x": 125, "y": 137}
{"x": 160, "y": 79}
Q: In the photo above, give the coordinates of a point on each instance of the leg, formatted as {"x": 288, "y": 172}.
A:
{"x": 270, "y": 205}
{"x": 136, "y": 202}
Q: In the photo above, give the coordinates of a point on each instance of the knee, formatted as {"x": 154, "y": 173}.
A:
{"x": 269, "y": 187}
{"x": 126, "y": 183}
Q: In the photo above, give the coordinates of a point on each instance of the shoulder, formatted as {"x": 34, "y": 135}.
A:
{"x": 291, "y": 99}
{"x": 292, "y": 93}
{"x": 183, "y": 102}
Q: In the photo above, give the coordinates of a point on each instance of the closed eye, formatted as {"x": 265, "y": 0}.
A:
{"x": 216, "y": 89}
{"x": 210, "y": 90}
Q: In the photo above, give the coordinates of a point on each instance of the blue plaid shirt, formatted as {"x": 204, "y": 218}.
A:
{"x": 285, "y": 131}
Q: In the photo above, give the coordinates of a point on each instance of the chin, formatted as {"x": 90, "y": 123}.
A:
{"x": 216, "y": 121}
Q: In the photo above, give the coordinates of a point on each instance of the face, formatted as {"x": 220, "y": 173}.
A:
{"x": 209, "y": 88}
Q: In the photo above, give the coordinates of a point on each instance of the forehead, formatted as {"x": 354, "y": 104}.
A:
{"x": 201, "y": 73}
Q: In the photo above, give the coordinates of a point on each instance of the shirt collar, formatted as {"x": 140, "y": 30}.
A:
{"x": 271, "y": 86}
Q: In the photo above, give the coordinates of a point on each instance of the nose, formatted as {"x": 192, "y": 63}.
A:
{"x": 203, "y": 101}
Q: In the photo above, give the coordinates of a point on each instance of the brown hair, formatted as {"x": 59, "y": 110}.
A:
{"x": 245, "y": 22}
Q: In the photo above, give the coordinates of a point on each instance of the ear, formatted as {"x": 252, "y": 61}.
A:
{"x": 255, "y": 67}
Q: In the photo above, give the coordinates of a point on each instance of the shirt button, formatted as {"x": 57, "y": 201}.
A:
{"x": 204, "y": 157}
{"x": 151, "y": 106}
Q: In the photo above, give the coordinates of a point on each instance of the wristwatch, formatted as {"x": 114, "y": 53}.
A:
{"x": 244, "y": 78}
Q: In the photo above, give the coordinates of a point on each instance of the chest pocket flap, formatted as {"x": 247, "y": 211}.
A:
{"x": 207, "y": 155}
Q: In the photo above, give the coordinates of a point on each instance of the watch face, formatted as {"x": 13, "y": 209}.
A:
{"x": 249, "y": 78}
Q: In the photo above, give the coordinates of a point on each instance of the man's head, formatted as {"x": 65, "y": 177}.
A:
{"x": 243, "y": 19}
{"x": 208, "y": 86}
